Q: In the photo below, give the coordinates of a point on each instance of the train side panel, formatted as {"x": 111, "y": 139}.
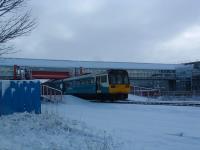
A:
{"x": 86, "y": 86}
{"x": 87, "y": 89}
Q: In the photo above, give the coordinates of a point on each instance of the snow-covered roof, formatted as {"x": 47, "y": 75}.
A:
{"x": 85, "y": 64}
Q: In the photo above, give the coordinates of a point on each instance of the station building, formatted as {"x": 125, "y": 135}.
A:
{"x": 165, "y": 77}
{"x": 193, "y": 74}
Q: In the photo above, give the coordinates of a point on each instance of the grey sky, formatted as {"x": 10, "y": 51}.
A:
{"x": 114, "y": 30}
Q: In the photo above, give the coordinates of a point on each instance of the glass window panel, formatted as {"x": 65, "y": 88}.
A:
{"x": 103, "y": 79}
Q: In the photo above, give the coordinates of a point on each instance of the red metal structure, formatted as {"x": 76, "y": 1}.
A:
{"x": 26, "y": 73}
{"x": 15, "y": 72}
{"x": 49, "y": 75}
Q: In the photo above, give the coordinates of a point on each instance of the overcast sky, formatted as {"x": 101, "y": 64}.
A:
{"x": 166, "y": 31}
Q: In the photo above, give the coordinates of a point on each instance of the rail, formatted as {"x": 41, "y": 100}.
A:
{"x": 51, "y": 94}
{"x": 166, "y": 103}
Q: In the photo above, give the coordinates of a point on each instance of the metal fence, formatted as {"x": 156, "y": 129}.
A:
{"x": 166, "y": 95}
{"x": 147, "y": 92}
{"x": 180, "y": 95}
{"x": 51, "y": 94}
{"x": 51, "y": 99}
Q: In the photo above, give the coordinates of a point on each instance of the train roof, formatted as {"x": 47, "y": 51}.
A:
{"x": 81, "y": 77}
{"x": 85, "y": 64}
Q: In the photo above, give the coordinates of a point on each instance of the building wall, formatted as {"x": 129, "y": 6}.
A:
{"x": 195, "y": 76}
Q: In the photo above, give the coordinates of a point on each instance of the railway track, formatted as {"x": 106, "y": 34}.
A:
{"x": 167, "y": 103}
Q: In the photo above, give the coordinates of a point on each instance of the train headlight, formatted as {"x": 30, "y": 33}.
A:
{"x": 127, "y": 86}
{"x": 112, "y": 86}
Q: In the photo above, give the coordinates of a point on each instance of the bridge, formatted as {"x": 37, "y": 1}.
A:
{"x": 24, "y": 68}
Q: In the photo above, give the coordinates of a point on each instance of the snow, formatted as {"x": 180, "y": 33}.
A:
{"x": 85, "y": 64}
{"x": 139, "y": 98}
{"x": 165, "y": 99}
{"x": 138, "y": 127}
{"x": 48, "y": 132}
{"x": 126, "y": 127}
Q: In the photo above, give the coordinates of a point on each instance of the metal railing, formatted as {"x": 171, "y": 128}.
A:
{"x": 143, "y": 91}
{"x": 51, "y": 94}
{"x": 180, "y": 95}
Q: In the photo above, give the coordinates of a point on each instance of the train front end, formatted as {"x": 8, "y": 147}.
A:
{"x": 119, "y": 85}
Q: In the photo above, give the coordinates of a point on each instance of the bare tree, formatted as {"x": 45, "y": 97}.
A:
{"x": 13, "y": 23}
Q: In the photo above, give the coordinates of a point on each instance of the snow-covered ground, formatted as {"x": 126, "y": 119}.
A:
{"x": 139, "y": 98}
{"x": 171, "y": 100}
{"x": 165, "y": 98}
{"x": 80, "y": 124}
{"x": 137, "y": 127}
{"x": 49, "y": 132}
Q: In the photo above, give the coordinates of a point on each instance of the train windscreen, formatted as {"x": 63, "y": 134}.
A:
{"x": 118, "y": 77}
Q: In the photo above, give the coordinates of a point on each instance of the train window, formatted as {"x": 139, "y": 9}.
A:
{"x": 92, "y": 81}
{"x": 83, "y": 82}
{"x": 66, "y": 84}
{"x": 103, "y": 79}
{"x": 61, "y": 86}
{"x": 86, "y": 81}
{"x": 112, "y": 79}
{"x": 74, "y": 83}
{"x": 126, "y": 80}
{"x": 119, "y": 79}
{"x": 77, "y": 82}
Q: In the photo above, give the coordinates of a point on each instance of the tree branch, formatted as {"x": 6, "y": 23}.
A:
{"x": 14, "y": 28}
{"x": 8, "y": 5}
{"x": 12, "y": 25}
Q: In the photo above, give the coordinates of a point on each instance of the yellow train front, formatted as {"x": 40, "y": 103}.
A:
{"x": 115, "y": 87}
{"x": 112, "y": 84}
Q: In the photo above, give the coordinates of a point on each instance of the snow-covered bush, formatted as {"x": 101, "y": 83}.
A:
{"x": 49, "y": 132}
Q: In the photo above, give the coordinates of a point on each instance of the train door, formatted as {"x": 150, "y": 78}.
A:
{"x": 98, "y": 84}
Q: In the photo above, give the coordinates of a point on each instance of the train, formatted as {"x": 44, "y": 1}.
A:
{"x": 112, "y": 84}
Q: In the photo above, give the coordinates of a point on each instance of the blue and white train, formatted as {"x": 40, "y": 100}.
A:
{"x": 112, "y": 84}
